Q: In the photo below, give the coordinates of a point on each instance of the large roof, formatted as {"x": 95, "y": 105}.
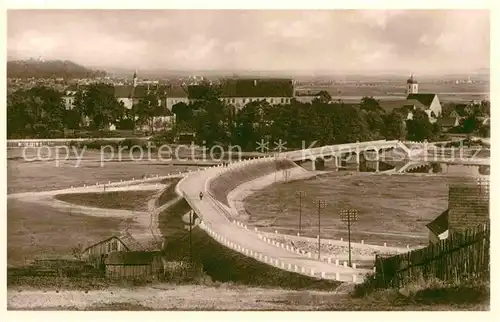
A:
{"x": 129, "y": 91}
{"x": 257, "y": 88}
{"x": 409, "y": 104}
{"x": 176, "y": 91}
{"x": 424, "y": 98}
{"x": 440, "y": 224}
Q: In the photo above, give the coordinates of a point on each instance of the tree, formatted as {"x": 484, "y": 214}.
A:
{"x": 146, "y": 109}
{"x": 323, "y": 97}
{"x": 37, "y": 112}
{"x": 395, "y": 126}
{"x": 98, "y": 103}
{"x": 420, "y": 128}
{"x": 370, "y": 104}
{"x": 448, "y": 108}
{"x": 469, "y": 124}
{"x": 183, "y": 112}
{"x": 247, "y": 128}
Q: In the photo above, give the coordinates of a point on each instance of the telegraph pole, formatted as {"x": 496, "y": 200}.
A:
{"x": 300, "y": 193}
{"x": 349, "y": 215}
{"x": 190, "y": 239}
{"x": 321, "y": 204}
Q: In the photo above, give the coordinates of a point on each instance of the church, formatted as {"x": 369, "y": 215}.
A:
{"x": 427, "y": 102}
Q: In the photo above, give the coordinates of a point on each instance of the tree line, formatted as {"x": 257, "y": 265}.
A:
{"x": 40, "y": 112}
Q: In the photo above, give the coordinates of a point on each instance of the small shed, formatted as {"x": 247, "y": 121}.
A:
{"x": 133, "y": 265}
{"x": 96, "y": 253}
{"x": 438, "y": 228}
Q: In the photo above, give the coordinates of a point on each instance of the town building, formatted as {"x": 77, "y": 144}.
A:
{"x": 239, "y": 92}
{"x": 176, "y": 94}
{"x": 426, "y": 102}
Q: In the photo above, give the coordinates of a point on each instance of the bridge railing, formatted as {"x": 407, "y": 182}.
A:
{"x": 212, "y": 229}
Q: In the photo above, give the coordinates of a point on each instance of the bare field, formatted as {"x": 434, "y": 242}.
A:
{"x": 23, "y": 176}
{"x": 125, "y": 200}
{"x": 38, "y": 231}
{"x": 237, "y": 297}
{"x": 392, "y": 208}
{"x": 396, "y": 89}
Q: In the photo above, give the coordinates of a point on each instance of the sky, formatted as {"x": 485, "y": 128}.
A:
{"x": 414, "y": 41}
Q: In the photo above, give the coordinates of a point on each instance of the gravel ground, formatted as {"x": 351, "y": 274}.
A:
{"x": 332, "y": 250}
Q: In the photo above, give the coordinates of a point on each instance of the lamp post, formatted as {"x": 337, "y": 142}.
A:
{"x": 301, "y": 194}
{"x": 321, "y": 204}
{"x": 349, "y": 215}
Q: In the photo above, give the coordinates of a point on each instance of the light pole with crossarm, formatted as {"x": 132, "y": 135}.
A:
{"x": 301, "y": 194}
{"x": 349, "y": 216}
{"x": 321, "y": 204}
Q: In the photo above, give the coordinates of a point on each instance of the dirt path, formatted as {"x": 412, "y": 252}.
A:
{"x": 170, "y": 297}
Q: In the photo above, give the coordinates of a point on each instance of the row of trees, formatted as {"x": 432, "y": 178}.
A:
{"x": 215, "y": 122}
{"x": 40, "y": 111}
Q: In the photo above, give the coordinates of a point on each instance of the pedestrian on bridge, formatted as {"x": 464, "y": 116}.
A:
{"x": 201, "y": 195}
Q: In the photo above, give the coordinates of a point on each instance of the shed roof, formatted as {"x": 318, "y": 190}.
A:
{"x": 440, "y": 224}
{"x": 125, "y": 238}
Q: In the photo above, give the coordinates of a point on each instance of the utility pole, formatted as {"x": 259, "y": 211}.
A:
{"x": 349, "y": 216}
{"x": 321, "y": 204}
{"x": 190, "y": 238}
{"x": 301, "y": 194}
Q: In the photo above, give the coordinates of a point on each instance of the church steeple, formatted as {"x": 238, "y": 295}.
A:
{"x": 411, "y": 85}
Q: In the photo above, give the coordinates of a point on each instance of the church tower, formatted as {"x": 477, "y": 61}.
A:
{"x": 135, "y": 78}
{"x": 411, "y": 85}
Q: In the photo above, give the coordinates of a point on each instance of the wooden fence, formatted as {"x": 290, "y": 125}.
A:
{"x": 462, "y": 255}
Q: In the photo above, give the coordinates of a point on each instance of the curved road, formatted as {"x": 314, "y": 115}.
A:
{"x": 216, "y": 220}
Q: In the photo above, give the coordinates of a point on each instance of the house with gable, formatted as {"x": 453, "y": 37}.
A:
{"x": 430, "y": 100}
{"x": 426, "y": 102}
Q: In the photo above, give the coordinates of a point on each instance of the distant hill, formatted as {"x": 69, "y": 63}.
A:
{"x": 50, "y": 68}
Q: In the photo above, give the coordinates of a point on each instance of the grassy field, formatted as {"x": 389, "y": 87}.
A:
{"x": 223, "y": 264}
{"x": 392, "y": 209}
{"x": 169, "y": 193}
{"x": 125, "y": 200}
{"x": 38, "y": 231}
{"x": 25, "y": 176}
